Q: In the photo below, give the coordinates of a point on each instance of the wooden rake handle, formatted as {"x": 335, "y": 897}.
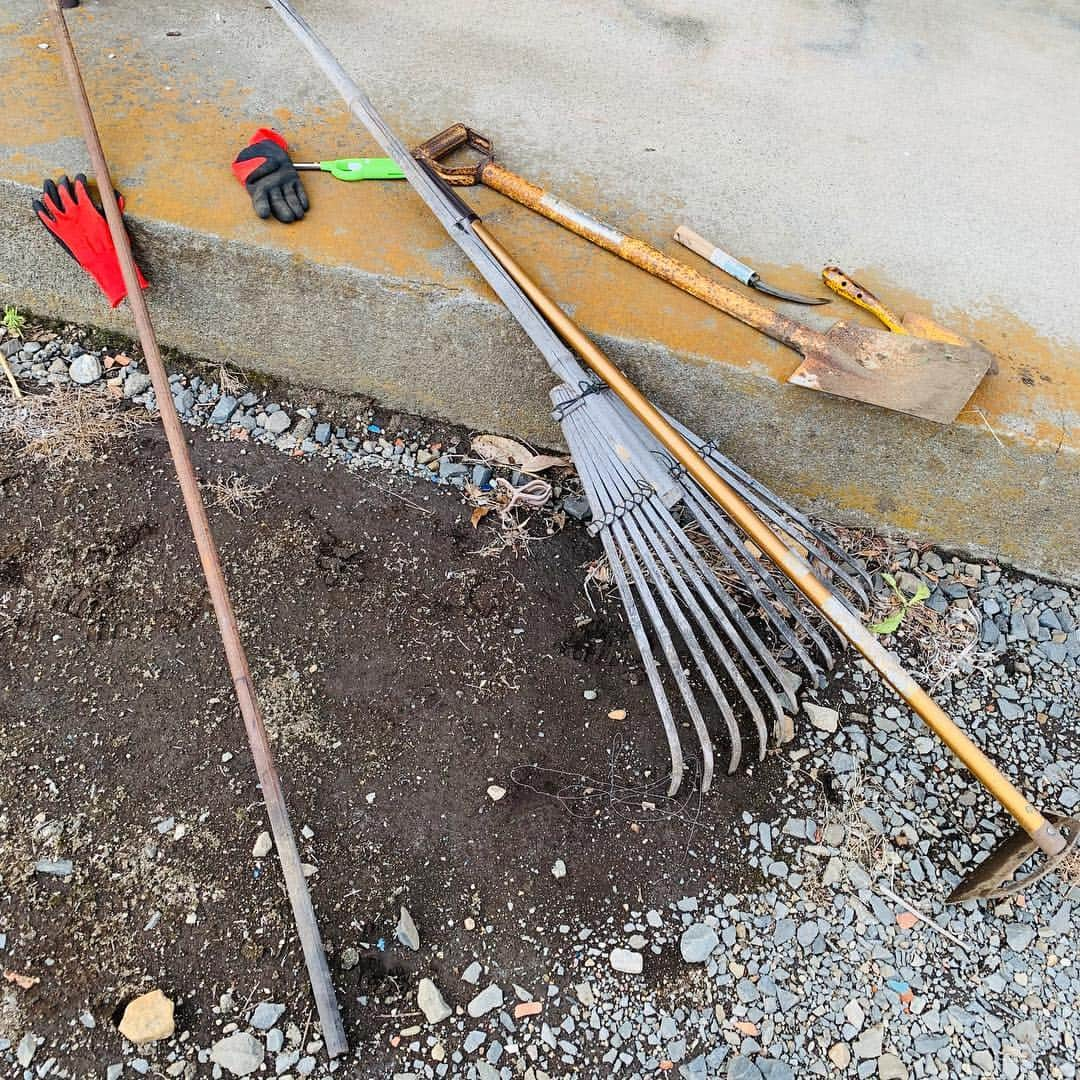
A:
{"x": 1046, "y": 835}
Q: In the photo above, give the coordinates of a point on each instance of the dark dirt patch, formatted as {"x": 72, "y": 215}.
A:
{"x": 401, "y": 674}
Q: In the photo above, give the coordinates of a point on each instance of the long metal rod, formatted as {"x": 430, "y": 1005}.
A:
{"x": 1047, "y": 835}
{"x": 303, "y": 912}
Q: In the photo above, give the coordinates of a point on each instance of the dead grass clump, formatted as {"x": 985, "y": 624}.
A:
{"x": 235, "y": 494}
{"x": 861, "y": 844}
{"x": 65, "y": 426}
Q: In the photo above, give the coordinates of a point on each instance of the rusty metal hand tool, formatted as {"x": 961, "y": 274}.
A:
{"x": 910, "y": 322}
{"x": 911, "y": 375}
{"x": 296, "y": 885}
{"x": 637, "y": 521}
{"x": 735, "y": 268}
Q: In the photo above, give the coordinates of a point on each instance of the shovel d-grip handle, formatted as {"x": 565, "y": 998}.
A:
{"x": 491, "y": 174}
{"x": 445, "y": 143}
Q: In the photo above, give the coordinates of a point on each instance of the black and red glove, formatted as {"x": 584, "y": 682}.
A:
{"x": 79, "y": 226}
{"x": 265, "y": 169}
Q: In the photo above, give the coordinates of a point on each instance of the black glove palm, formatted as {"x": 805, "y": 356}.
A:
{"x": 264, "y": 168}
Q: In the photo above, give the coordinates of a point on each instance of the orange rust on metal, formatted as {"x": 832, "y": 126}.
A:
{"x": 263, "y": 757}
{"x": 640, "y": 254}
{"x": 909, "y": 323}
{"x": 790, "y": 562}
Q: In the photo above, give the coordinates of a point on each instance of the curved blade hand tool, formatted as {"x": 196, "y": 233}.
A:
{"x": 736, "y": 269}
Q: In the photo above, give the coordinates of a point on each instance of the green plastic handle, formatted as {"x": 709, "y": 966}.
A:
{"x": 363, "y": 168}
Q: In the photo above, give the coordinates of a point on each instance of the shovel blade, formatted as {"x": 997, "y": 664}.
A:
{"x": 929, "y": 379}
{"x": 1002, "y": 873}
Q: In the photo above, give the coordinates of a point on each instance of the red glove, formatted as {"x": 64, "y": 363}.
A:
{"x": 79, "y": 225}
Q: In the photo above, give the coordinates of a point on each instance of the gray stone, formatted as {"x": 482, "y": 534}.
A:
{"x": 26, "y": 1049}
{"x": 85, "y": 369}
{"x": 741, "y": 1068}
{"x": 223, "y": 410}
{"x": 266, "y": 1015}
{"x": 264, "y": 842}
{"x": 472, "y": 973}
{"x": 890, "y": 1067}
{"x": 629, "y": 963}
{"x": 473, "y": 1041}
{"x": 868, "y": 1044}
{"x": 277, "y": 423}
{"x": 1019, "y": 936}
{"x": 184, "y": 400}
{"x": 491, "y": 997}
{"x": 697, "y": 943}
{"x": 238, "y": 1053}
{"x": 322, "y": 434}
{"x": 432, "y": 1004}
{"x": 136, "y": 382}
{"x": 824, "y": 719}
{"x": 55, "y": 867}
{"x": 406, "y": 931}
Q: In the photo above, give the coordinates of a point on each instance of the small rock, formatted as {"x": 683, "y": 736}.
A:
{"x": 495, "y": 793}
{"x": 559, "y": 869}
{"x": 263, "y": 844}
{"x": 239, "y": 1053}
{"x": 489, "y": 998}
{"x": 55, "y": 867}
{"x": 840, "y": 1055}
{"x": 697, "y": 943}
{"x": 822, "y": 718}
{"x": 406, "y": 931}
{"x": 148, "y": 1018}
{"x": 26, "y": 1049}
{"x": 224, "y": 409}
{"x": 629, "y": 963}
{"x": 1018, "y": 936}
{"x": 431, "y": 1002}
{"x": 85, "y": 369}
{"x": 135, "y": 383}
{"x": 472, "y": 973}
{"x": 266, "y": 1015}
{"x": 890, "y": 1067}
{"x": 277, "y": 423}
{"x": 868, "y": 1044}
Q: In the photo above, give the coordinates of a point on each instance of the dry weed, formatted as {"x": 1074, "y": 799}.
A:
{"x": 235, "y": 494}
{"x": 861, "y": 844}
{"x": 66, "y": 425}
{"x": 230, "y": 382}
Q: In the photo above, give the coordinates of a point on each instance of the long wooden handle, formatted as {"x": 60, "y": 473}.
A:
{"x": 791, "y": 563}
{"x": 307, "y": 927}
{"x": 771, "y": 323}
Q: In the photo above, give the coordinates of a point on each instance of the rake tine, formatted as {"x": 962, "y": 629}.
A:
{"x": 572, "y": 424}
{"x": 664, "y": 534}
{"x": 609, "y": 487}
{"x": 752, "y": 651}
{"x": 670, "y": 573}
{"x": 776, "y": 508}
{"x": 627, "y": 525}
{"x": 714, "y": 523}
{"x": 633, "y": 617}
{"x": 671, "y": 655}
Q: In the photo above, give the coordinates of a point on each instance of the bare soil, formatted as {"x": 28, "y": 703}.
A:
{"x": 401, "y": 675}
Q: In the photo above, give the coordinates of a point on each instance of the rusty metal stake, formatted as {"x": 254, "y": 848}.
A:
{"x": 303, "y": 912}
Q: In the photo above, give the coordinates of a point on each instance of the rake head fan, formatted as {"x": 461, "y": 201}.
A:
{"x": 732, "y": 634}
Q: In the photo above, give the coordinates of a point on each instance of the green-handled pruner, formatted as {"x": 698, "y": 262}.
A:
{"x": 359, "y": 168}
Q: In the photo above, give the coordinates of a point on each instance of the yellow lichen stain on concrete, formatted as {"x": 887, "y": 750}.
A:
{"x": 195, "y": 130}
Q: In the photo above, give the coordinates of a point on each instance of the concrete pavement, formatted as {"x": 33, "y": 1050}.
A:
{"x": 931, "y": 151}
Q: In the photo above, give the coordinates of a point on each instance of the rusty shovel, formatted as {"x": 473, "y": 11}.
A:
{"x": 929, "y": 379}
